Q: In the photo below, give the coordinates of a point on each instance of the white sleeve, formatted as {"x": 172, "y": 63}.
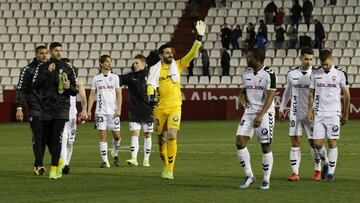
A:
{"x": 286, "y": 95}
{"x": 93, "y": 85}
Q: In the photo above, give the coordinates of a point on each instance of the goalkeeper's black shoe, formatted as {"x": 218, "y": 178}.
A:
{"x": 39, "y": 171}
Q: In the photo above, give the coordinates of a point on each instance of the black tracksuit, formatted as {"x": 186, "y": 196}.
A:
{"x": 139, "y": 107}
{"x": 54, "y": 105}
{"x": 24, "y": 91}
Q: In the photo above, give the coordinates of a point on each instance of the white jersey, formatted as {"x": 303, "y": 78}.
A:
{"x": 105, "y": 87}
{"x": 328, "y": 85}
{"x": 72, "y": 110}
{"x": 256, "y": 84}
{"x": 297, "y": 88}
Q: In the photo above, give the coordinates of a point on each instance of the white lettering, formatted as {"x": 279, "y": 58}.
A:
{"x": 353, "y": 109}
{"x": 195, "y": 96}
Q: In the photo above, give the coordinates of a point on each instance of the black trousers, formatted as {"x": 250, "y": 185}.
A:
{"x": 52, "y": 131}
{"x": 38, "y": 140}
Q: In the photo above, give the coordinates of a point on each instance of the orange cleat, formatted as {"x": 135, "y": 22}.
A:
{"x": 294, "y": 177}
{"x": 317, "y": 175}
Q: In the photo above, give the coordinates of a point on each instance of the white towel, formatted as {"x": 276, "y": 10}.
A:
{"x": 154, "y": 74}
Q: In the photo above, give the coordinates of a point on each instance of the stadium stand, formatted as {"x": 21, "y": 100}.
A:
{"x": 124, "y": 28}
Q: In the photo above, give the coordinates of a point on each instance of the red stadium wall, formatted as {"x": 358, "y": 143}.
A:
{"x": 198, "y": 104}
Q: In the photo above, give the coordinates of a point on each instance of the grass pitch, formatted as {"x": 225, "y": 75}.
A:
{"x": 206, "y": 169}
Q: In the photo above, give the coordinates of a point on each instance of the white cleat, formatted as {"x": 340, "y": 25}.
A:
{"x": 264, "y": 185}
{"x": 248, "y": 182}
{"x": 132, "y": 162}
{"x": 105, "y": 165}
{"x": 146, "y": 163}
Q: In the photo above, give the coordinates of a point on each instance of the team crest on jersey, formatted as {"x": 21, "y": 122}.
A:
{"x": 176, "y": 118}
{"x": 335, "y": 128}
{"x": 242, "y": 122}
{"x": 292, "y": 123}
{"x": 264, "y": 131}
{"x": 110, "y": 78}
{"x": 334, "y": 78}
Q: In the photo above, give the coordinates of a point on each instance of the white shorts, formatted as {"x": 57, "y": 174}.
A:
{"x": 326, "y": 127}
{"x": 107, "y": 122}
{"x": 264, "y": 132}
{"x": 148, "y": 127}
{"x": 69, "y": 132}
{"x": 296, "y": 125}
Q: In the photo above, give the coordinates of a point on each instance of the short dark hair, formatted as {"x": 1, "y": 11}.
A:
{"x": 307, "y": 50}
{"x": 164, "y": 46}
{"x": 54, "y": 44}
{"x": 141, "y": 58}
{"x": 103, "y": 58}
{"x": 259, "y": 54}
{"x": 325, "y": 54}
{"x": 38, "y": 48}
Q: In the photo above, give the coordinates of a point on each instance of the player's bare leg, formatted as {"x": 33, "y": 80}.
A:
{"x": 147, "y": 149}
{"x": 244, "y": 158}
{"x": 103, "y": 149}
{"x": 295, "y": 158}
{"x": 116, "y": 146}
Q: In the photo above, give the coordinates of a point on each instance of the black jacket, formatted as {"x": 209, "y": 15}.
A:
{"x": 319, "y": 31}
{"x": 307, "y": 8}
{"x": 24, "y": 90}
{"x": 54, "y": 105}
{"x": 139, "y": 107}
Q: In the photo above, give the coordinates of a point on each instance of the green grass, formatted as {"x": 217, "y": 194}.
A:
{"x": 206, "y": 170}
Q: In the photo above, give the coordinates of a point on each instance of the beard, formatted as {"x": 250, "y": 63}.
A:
{"x": 168, "y": 60}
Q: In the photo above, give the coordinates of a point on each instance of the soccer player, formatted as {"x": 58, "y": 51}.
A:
{"x": 297, "y": 88}
{"x": 24, "y": 91}
{"x": 69, "y": 133}
{"x": 164, "y": 78}
{"x": 56, "y": 81}
{"x": 324, "y": 108}
{"x": 106, "y": 89}
{"x": 257, "y": 97}
{"x": 140, "y": 111}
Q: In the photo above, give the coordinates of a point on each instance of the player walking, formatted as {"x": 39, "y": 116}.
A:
{"x": 297, "y": 88}
{"x": 324, "y": 108}
{"x": 105, "y": 88}
{"x": 259, "y": 87}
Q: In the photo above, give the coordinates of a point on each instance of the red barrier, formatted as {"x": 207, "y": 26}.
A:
{"x": 198, "y": 104}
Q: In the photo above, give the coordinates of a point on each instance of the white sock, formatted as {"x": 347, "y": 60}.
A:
{"x": 244, "y": 158}
{"x": 69, "y": 153}
{"x": 147, "y": 147}
{"x": 326, "y": 160}
{"x": 295, "y": 159}
{"x": 116, "y": 146}
{"x": 267, "y": 165}
{"x": 134, "y": 146}
{"x": 103, "y": 151}
{"x": 316, "y": 158}
{"x": 63, "y": 154}
{"x": 333, "y": 154}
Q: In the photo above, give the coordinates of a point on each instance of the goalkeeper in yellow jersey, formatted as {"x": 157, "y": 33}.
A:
{"x": 164, "y": 92}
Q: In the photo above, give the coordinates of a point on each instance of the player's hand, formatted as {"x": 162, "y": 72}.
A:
{"x": 242, "y": 102}
{"x": 310, "y": 116}
{"x": 89, "y": 115}
{"x": 52, "y": 67}
{"x": 19, "y": 115}
{"x": 117, "y": 114}
{"x": 258, "y": 120}
{"x": 282, "y": 116}
{"x": 153, "y": 101}
{"x": 66, "y": 84}
{"x": 200, "y": 27}
{"x": 83, "y": 115}
{"x": 344, "y": 119}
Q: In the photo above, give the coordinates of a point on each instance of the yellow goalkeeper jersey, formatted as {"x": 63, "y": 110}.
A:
{"x": 169, "y": 93}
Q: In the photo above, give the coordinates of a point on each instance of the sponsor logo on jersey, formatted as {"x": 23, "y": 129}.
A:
{"x": 326, "y": 85}
{"x": 301, "y": 86}
{"x": 295, "y": 78}
{"x": 106, "y": 87}
{"x": 264, "y": 131}
{"x": 250, "y": 87}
